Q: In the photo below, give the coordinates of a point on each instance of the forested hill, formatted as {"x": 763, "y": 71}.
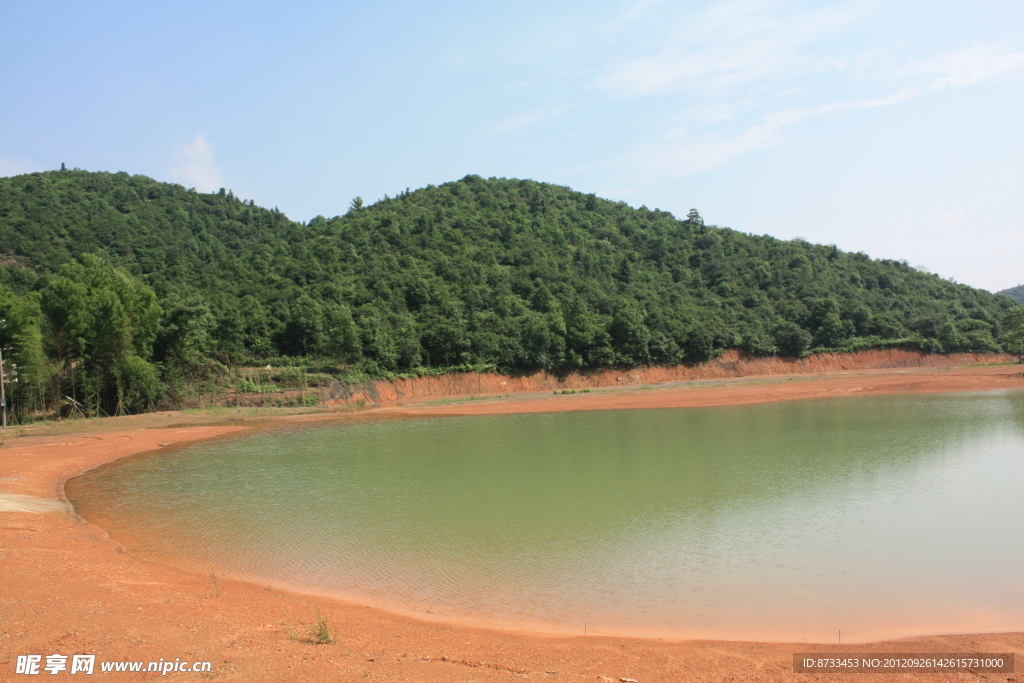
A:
{"x": 1015, "y": 293}
{"x": 511, "y": 274}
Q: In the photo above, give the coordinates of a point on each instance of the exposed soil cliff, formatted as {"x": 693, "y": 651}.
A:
{"x": 729, "y": 364}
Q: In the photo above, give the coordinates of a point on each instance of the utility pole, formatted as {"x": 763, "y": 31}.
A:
{"x": 3, "y": 396}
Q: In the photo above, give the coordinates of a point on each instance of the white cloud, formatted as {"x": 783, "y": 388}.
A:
{"x": 630, "y": 15}
{"x": 530, "y": 118}
{"x": 713, "y": 113}
{"x": 196, "y": 167}
{"x": 694, "y": 156}
{"x": 732, "y": 49}
{"x": 980, "y": 61}
{"x": 969, "y": 66}
{"x": 677, "y": 133}
{"x": 731, "y": 43}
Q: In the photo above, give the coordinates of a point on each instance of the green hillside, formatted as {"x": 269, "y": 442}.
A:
{"x": 1015, "y": 293}
{"x": 509, "y": 274}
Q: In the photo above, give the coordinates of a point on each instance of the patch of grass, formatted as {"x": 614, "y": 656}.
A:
{"x": 320, "y": 632}
{"x": 206, "y": 410}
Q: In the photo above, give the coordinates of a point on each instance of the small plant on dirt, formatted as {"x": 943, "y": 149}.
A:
{"x": 216, "y": 586}
{"x": 320, "y": 633}
{"x": 287, "y": 628}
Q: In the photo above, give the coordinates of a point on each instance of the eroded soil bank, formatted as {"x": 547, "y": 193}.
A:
{"x": 66, "y": 587}
{"x": 730, "y": 364}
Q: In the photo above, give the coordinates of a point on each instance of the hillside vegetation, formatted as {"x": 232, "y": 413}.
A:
{"x": 115, "y": 289}
{"x": 1015, "y": 293}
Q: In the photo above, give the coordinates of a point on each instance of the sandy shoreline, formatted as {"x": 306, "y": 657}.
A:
{"x": 66, "y": 587}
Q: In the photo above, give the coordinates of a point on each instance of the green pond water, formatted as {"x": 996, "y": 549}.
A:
{"x": 877, "y": 516}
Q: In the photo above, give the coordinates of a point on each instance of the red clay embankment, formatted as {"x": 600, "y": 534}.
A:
{"x": 730, "y": 364}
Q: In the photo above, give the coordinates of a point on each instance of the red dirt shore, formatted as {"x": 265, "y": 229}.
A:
{"x": 66, "y": 587}
{"x": 731, "y": 364}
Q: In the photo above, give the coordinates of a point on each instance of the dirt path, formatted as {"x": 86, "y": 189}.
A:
{"x": 65, "y": 587}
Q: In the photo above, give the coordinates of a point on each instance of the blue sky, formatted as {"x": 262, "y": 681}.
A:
{"x": 889, "y": 127}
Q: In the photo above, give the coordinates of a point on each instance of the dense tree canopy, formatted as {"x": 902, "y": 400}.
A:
{"x": 1015, "y": 293}
{"x": 126, "y": 282}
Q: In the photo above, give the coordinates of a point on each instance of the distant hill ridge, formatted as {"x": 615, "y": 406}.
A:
{"x": 509, "y": 274}
{"x": 1015, "y": 293}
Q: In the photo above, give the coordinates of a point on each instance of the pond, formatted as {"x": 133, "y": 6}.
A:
{"x": 880, "y": 516}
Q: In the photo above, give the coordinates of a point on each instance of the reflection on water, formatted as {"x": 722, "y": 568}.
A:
{"x": 879, "y": 516}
